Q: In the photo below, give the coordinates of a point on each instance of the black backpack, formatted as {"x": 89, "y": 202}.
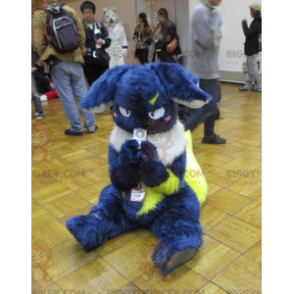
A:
{"x": 61, "y": 29}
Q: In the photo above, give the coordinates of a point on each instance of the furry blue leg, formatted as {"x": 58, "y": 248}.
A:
{"x": 178, "y": 230}
{"x": 105, "y": 221}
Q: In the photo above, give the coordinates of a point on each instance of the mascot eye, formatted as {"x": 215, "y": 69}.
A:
{"x": 158, "y": 113}
{"x": 124, "y": 112}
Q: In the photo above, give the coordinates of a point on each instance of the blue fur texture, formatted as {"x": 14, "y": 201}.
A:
{"x": 175, "y": 218}
{"x": 133, "y": 86}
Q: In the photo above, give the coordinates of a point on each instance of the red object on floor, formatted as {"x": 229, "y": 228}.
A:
{"x": 51, "y": 95}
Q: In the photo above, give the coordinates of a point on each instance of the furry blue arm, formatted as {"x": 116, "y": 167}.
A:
{"x": 124, "y": 166}
{"x": 164, "y": 180}
{"x": 152, "y": 172}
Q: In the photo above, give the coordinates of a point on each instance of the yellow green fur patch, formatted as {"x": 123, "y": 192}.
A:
{"x": 156, "y": 194}
{"x": 170, "y": 186}
{"x": 194, "y": 176}
{"x": 151, "y": 200}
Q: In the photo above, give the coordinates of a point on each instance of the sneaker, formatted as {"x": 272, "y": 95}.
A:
{"x": 93, "y": 131}
{"x": 39, "y": 117}
{"x": 255, "y": 90}
{"x": 244, "y": 89}
{"x": 215, "y": 139}
{"x": 43, "y": 98}
{"x": 69, "y": 132}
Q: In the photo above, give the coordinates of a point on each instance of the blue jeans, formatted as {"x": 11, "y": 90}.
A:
{"x": 206, "y": 113}
{"x": 68, "y": 78}
{"x": 36, "y": 98}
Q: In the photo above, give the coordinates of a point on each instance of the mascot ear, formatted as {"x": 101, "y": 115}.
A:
{"x": 180, "y": 85}
{"x": 102, "y": 91}
{"x": 112, "y": 8}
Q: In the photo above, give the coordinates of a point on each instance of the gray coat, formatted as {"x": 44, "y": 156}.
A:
{"x": 204, "y": 37}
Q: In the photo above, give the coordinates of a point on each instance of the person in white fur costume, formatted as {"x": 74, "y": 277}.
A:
{"x": 119, "y": 45}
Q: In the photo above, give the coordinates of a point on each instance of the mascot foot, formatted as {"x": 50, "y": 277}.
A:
{"x": 85, "y": 229}
{"x": 163, "y": 258}
{"x": 180, "y": 258}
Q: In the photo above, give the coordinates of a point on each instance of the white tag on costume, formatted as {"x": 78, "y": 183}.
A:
{"x": 138, "y": 195}
{"x": 140, "y": 135}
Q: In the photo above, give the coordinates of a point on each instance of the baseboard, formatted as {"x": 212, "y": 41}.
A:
{"x": 232, "y": 77}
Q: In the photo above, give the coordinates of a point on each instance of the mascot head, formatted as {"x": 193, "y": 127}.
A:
{"x": 110, "y": 16}
{"x": 145, "y": 95}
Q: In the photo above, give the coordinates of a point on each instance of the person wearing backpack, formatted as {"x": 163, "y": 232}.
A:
{"x": 96, "y": 37}
{"x": 59, "y": 38}
{"x": 252, "y": 47}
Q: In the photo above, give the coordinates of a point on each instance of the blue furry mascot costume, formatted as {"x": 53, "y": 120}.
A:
{"x": 148, "y": 189}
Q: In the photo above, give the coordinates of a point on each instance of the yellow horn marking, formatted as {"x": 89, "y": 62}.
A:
{"x": 153, "y": 101}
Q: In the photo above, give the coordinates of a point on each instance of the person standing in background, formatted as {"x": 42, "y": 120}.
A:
{"x": 34, "y": 90}
{"x": 168, "y": 32}
{"x": 205, "y": 39}
{"x": 143, "y": 36}
{"x": 94, "y": 34}
{"x": 65, "y": 68}
{"x": 118, "y": 49}
{"x": 157, "y": 36}
{"x": 251, "y": 48}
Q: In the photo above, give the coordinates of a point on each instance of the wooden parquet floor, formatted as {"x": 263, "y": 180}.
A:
{"x": 68, "y": 174}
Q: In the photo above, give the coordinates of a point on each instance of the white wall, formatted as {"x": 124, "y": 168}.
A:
{"x": 183, "y": 23}
{"x": 231, "y": 54}
{"x": 192, "y": 4}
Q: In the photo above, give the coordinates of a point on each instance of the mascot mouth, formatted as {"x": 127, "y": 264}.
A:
{"x": 111, "y": 21}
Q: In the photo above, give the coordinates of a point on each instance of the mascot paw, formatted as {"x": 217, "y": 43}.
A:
{"x": 148, "y": 152}
{"x": 129, "y": 152}
{"x": 85, "y": 230}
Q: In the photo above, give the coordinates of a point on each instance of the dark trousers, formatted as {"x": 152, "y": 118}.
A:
{"x": 206, "y": 113}
{"x": 93, "y": 72}
{"x": 36, "y": 96}
{"x": 142, "y": 55}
